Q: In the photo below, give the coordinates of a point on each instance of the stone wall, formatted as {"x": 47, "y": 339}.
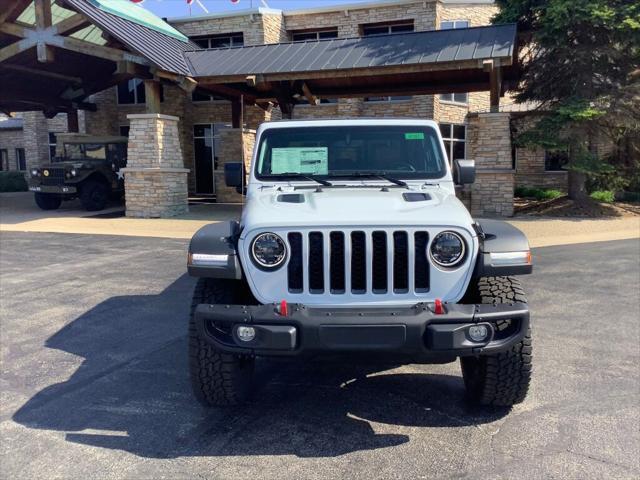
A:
{"x": 489, "y": 144}
{"x": 36, "y": 139}
{"x": 155, "y": 177}
{"x": 235, "y": 145}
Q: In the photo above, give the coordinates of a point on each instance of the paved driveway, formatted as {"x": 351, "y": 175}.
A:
{"x": 94, "y": 381}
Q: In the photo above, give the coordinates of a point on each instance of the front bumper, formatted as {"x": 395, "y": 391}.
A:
{"x": 62, "y": 189}
{"x": 416, "y": 331}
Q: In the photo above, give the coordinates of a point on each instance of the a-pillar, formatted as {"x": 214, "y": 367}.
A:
{"x": 155, "y": 179}
{"x": 489, "y": 144}
{"x": 233, "y": 145}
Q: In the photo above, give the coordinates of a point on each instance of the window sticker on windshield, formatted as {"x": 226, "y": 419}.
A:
{"x": 306, "y": 160}
{"x": 414, "y": 136}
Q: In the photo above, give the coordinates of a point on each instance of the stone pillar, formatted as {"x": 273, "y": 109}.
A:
{"x": 233, "y": 145}
{"x": 489, "y": 144}
{"x": 155, "y": 178}
{"x": 36, "y": 139}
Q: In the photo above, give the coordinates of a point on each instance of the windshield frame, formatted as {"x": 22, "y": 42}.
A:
{"x": 361, "y": 174}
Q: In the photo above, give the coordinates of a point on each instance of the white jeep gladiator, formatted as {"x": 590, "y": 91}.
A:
{"x": 352, "y": 241}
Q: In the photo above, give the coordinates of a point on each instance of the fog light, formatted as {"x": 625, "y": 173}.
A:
{"x": 246, "y": 334}
{"x": 478, "y": 333}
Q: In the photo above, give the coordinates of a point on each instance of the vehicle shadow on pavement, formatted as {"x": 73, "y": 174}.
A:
{"x": 132, "y": 393}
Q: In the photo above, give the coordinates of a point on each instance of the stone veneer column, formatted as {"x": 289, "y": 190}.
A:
{"x": 489, "y": 144}
{"x": 155, "y": 178}
{"x": 36, "y": 139}
{"x": 231, "y": 144}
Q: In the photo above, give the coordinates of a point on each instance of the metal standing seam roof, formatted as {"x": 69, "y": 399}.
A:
{"x": 413, "y": 48}
{"x": 164, "y": 51}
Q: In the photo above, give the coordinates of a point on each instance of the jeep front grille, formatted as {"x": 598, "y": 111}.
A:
{"x": 55, "y": 177}
{"x": 359, "y": 262}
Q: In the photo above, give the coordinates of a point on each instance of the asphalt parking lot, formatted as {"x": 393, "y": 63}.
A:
{"x": 94, "y": 380}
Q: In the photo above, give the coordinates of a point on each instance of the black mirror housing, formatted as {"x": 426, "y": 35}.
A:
{"x": 464, "y": 172}
{"x": 234, "y": 175}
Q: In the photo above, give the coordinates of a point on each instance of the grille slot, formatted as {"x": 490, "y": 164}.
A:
{"x": 379, "y": 262}
{"x": 421, "y": 240}
{"x": 336, "y": 262}
{"x": 316, "y": 263}
{"x": 358, "y": 263}
{"x": 295, "y": 263}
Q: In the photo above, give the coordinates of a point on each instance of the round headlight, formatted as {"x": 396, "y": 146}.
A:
{"x": 268, "y": 250}
{"x": 447, "y": 249}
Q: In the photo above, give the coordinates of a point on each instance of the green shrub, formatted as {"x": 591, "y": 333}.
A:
{"x": 12, "y": 182}
{"x": 606, "y": 196}
{"x": 537, "y": 193}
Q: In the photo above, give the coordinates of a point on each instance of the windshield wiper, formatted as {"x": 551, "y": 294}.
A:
{"x": 393, "y": 180}
{"x": 300, "y": 175}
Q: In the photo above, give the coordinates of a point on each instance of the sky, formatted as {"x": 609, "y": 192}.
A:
{"x": 179, "y": 8}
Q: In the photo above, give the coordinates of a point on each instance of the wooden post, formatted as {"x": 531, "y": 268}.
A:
{"x": 152, "y": 94}
{"x": 236, "y": 113}
{"x": 495, "y": 77}
{"x": 72, "y": 121}
{"x": 43, "y": 21}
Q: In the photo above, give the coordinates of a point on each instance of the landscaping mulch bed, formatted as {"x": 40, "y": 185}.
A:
{"x": 564, "y": 207}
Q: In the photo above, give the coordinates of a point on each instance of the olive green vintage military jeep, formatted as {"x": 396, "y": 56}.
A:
{"x": 89, "y": 169}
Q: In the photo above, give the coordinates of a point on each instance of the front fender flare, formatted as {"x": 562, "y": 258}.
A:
{"x": 219, "y": 239}
{"x": 500, "y": 237}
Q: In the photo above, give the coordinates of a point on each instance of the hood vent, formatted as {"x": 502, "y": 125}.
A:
{"x": 291, "y": 198}
{"x": 416, "y": 197}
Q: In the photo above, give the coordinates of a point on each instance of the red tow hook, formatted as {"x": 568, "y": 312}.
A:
{"x": 283, "y": 308}
{"x": 438, "y": 308}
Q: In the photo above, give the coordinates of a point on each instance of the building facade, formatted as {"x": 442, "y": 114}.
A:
{"x": 204, "y": 118}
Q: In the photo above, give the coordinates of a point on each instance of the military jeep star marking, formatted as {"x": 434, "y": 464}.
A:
{"x": 352, "y": 240}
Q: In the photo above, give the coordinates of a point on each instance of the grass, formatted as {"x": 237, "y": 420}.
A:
{"x": 539, "y": 194}
{"x": 606, "y": 196}
{"x": 12, "y": 182}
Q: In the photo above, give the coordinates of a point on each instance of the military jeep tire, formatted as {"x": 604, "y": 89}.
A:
{"x": 48, "y": 201}
{"x": 501, "y": 379}
{"x": 217, "y": 378}
{"x": 94, "y": 195}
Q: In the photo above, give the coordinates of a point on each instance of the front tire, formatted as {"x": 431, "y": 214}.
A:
{"x": 94, "y": 195}
{"x": 501, "y": 379}
{"x": 217, "y": 378}
{"x": 48, "y": 201}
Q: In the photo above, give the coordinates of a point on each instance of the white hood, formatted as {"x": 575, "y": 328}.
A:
{"x": 354, "y": 206}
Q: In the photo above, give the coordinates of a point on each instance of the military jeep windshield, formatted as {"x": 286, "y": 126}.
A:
{"x": 84, "y": 151}
{"x": 350, "y": 151}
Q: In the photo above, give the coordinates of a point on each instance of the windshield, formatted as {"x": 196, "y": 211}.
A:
{"x": 84, "y": 151}
{"x": 350, "y": 151}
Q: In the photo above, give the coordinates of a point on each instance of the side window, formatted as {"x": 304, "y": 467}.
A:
{"x": 132, "y": 92}
{"x": 53, "y": 141}
{"x": 21, "y": 161}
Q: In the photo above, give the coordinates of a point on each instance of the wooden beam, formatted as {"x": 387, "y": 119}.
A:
{"x": 72, "y": 121}
{"x": 15, "y": 30}
{"x": 86, "y": 48}
{"x": 43, "y": 22}
{"x": 401, "y": 89}
{"x": 152, "y": 94}
{"x": 16, "y": 48}
{"x": 72, "y": 24}
{"x": 186, "y": 83}
{"x": 13, "y": 10}
{"x": 495, "y": 79}
{"x": 42, "y": 73}
{"x": 311, "y": 98}
{"x": 126, "y": 70}
{"x": 229, "y": 92}
{"x": 45, "y": 53}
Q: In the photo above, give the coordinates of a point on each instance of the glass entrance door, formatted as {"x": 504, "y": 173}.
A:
{"x": 204, "y": 158}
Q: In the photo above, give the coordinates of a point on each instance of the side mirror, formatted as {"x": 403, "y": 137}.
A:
{"x": 464, "y": 172}
{"x": 234, "y": 175}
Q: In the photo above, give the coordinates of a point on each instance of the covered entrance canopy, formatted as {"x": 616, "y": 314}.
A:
{"x": 416, "y": 63}
{"x": 53, "y": 55}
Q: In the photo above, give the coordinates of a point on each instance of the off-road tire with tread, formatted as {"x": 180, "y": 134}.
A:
{"x": 501, "y": 379}
{"x": 48, "y": 201}
{"x": 217, "y": 378}
{"x": 94, "y": 195}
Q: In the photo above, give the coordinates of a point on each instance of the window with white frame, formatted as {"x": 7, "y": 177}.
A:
{"x": 455, "y": 140}
{"x": 311, "y": 35}
{"x": 451, "y": 24}
{"x": 224, "y": 40}
{"x": 462, "y": 98}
